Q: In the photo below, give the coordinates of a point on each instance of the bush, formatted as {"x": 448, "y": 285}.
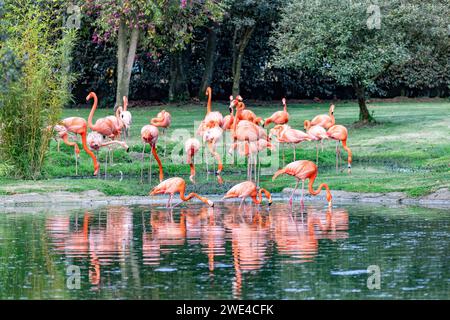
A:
{"x": 35, "y": 99}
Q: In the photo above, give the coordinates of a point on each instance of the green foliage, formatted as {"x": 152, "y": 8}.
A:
{"x": 341, "y": 40}
{"x": 34, "y": 100}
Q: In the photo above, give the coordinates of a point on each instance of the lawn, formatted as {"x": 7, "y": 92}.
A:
{"x": 408, "y": 150}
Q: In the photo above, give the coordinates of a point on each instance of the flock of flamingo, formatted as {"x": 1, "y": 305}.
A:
{"x": 249, "y": 136}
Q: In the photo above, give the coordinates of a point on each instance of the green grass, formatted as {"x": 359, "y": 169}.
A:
{"x": 407, "y": 151}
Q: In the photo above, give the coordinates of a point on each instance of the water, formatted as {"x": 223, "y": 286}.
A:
{"x": 146, "y": 252}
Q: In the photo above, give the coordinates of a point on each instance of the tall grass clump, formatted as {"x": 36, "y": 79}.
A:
{"x": 35, "y": 99}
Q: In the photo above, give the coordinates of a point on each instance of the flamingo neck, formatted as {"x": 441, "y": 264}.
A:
{"x": 91, "y": 114}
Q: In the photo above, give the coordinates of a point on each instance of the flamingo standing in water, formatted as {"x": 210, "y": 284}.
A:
{"x": 317, "y": 133}
{"x": 191, "y": 147}
{"x": 324, "y": 120}
{"x": 285, "y": 134}
{"x": 177, "y": 185}
{"x": 149, "y": 134}
{"x": 76, "y": 125}
{"x": 96, "y": 141}
{"x": 248, "y": 189}
{"x": 302, "y": 170}
{"x": 279, "y": 117}
{"x": 340, "y": 134}
{"x": 163, "y": 120}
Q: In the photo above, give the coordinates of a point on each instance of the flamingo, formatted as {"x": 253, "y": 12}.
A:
{"x": 252, "y": 151}
{"x": 211, "y": 136}
{"x": 110, "y": 126}
{"x": 248, "y": 189}
{"x": 96, "y": 141}
{"x": 214, "y": 116}
{"x": 317, "y": 133}
{"x": 324, "y": 120}
{"x": 177, "y": 185}
{"x": 76, "y": 125}
{"x": 279, "y": 117}
{"x": 285, "y": 134}
{"x": 248, "y": 133}
{"x": 126, "y": 117}
{"x": 163, "y": 120}
{"x": 227, "y": 126}
{"x": 302, "y": 170}
{"x": 241, "y": 112}
{"x": 340, "y": 134}
{"x": 191, "y": 147}
{"x": 149, "y": 134}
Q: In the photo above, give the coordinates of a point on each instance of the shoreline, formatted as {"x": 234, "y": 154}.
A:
{"x": 64, "y": 201}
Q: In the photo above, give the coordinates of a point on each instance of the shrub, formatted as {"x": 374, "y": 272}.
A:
{"x": 35, "y": 99}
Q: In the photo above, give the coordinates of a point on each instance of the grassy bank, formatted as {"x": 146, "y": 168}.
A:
{"x": 407, "y": 151}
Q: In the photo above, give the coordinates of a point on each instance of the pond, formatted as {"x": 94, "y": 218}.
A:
{"x": 195, "y": 252}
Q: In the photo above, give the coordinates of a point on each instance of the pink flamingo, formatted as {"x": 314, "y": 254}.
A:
{"x": 191, "y": 147}
{"x": 149, "y": 134}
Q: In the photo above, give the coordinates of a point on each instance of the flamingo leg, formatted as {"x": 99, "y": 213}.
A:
{"x": 242, "y": 202}
{"x": 106, "y": 164}
{"x": 142, "y": 165}
{"x": 293, "y": 192}
{"x": 337, "y": 156}
{"x": 76, "y": 163}
{"x": 317, "y": 153}
{"x": 283, "y": 155}
{"x": 302, "y": 203}
{"x": 340, "y": 155}
{"x": 150, "y": 170}
{"x": 169, "y": 201}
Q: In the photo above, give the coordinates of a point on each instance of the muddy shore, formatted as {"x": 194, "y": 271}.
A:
{"x": 66, "y": 201}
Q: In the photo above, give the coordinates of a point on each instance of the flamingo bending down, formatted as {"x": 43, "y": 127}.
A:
{"x": 96, "y": 141}
{"x": 248, "y": 189}
{"x": 324, "y": 120}
{"x": 149, "y": 134}
{"x": 191, "y": 147}
{"x": 317, "y": 133}
{"x": 340, "y": 133}
{"x": 163, "y": 120}
{"x": 279, "y": 117}
{"x": 177, "y": 185}
{"x": 302, "y": 170}
{"x": 285, "y": 134}
{"x": 76, "y": 125}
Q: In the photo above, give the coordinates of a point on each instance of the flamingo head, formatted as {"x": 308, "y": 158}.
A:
{"x": 211, "y": 204}
{"x": 332, "y": 109}
{"x": 307, "y": 124}
{"x": 94, "y": 140}
{"x": 90, "y": 96}
{"x": 284, "y": 101}
{"x": 126, "y": 118}
{"x": 232, "y": 104}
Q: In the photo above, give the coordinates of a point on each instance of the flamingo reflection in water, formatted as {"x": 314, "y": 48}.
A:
{"x": 103, "y": 242}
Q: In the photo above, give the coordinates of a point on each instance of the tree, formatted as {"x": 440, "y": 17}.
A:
{"x": 244, "y": 17}
{"x": 354, "y": 42}
{"x": 124, "y": 21}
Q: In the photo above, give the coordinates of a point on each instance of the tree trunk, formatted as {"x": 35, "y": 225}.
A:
{"x": 364, "y": 115}
{"x": 126, "y": 53}
{"x": 178, "y": 88}
{"x": 238, "y": 54}
{"x": 210, "y": 59}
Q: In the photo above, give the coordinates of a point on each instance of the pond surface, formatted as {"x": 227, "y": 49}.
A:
{"x": 146, "y": 252}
